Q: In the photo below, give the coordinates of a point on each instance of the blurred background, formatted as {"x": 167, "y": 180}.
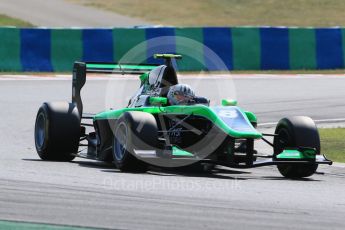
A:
{"x": 317, "y": 13}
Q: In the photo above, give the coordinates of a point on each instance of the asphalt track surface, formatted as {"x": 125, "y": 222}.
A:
{"x": 89, "y": 193}
{"x": 60, "y": 13}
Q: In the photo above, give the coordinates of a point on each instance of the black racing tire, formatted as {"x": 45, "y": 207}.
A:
{"x": 57, "y": 131}
{"x": 134, "y": 130}
{"x": 294, "y": 132}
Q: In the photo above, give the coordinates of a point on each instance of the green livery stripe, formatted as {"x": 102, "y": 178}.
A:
{"x": 66, "y": 48}
{"x": 189, "y": 43}
{"x": 10, "y": 50}
{"x": 117, "y": 66}
{"x": 197, "y": 110}
{"x": 133, "y": 40}
{"x": 180, "y": 152}
{"x": 302, "y": 47}
{"x": 246, "y": 48}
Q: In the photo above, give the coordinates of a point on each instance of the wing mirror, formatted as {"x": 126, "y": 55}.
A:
{"x": 158, "y": 101}
{"x": 229, "y": 102}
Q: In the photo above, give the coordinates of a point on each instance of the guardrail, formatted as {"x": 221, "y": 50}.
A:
{"x": 240, "y": 48}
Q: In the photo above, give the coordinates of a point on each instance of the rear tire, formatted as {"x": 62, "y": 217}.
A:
{"x": 134, "y": 130}
{"x": 296, "y": 132}
{"x": 57, "y": 131}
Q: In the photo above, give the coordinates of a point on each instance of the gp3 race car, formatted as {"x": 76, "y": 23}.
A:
{"x": 153, "y": 131}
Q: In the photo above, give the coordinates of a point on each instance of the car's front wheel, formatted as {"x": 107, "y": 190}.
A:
{"x": 294, "y": 132}
{"x": 133, "y": 130}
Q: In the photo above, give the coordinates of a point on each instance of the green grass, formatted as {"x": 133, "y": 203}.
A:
{"x": 333, "y": 143}
{"x": 8, "y": 21}
{"x": 17, "y": 225}
{"x": 229, "y": 12}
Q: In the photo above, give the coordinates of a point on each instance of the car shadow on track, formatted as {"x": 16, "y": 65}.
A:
{"x": 87, "y": 164}
{"x": 25, "y": 159}
{"x": 166, "y": 172}
{"x": 219, "y": 173}
{"x": 94, "y": 164}
{"x": 216, "y": 173}
{"x": 226, "y": 174}
{"x": 287, "y": 179}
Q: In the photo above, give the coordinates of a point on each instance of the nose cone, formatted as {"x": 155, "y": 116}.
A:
{"x": 235, "y": 122}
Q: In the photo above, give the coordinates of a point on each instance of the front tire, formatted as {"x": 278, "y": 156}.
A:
{"x": 296, "y": 132}
{"x": 133, "y": 130}
{"x": 57, "y": 131}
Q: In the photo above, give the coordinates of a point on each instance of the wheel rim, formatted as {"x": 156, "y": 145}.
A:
{"x": 40, "y": 131}
{"x": 120, "y": 141}
{"x": 283, "y": 140}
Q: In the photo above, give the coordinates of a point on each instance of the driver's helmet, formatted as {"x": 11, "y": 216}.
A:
{"x": 180, "y": 94}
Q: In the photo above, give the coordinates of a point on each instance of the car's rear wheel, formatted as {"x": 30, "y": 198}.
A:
{"x": 296, "y": 132}
{"x": 57, "y": 131}
{"x": 133, "y": 130}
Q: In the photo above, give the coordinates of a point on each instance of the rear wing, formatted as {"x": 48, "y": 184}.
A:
{"x": 115, "y": 68}
{"x": 80, "y": 69}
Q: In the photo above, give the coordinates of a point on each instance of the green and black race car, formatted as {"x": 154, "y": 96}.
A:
{"x": 153, "y": 131}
